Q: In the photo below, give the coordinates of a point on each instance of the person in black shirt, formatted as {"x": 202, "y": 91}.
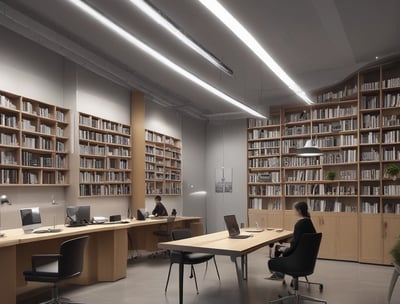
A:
{"x": 303, "y": 225}
{"x": 159, "y": 209}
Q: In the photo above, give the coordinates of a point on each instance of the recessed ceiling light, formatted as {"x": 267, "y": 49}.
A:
{"x": 159, "y": 57}
{"x": 247, "y": 38}
{"x": 166, "y": 23}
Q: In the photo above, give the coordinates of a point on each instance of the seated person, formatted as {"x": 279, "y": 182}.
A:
{"x": 303, "y": 225}
{"x": 159, "y": 209}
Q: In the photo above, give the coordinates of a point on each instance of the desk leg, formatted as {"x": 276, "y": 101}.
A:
{"x": 181, "y": 268}
{"x": 241, "y": 272}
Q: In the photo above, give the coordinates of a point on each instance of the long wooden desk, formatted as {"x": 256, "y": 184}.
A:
{"x": 105, "y": 256}
{"x": 219, "y": 243}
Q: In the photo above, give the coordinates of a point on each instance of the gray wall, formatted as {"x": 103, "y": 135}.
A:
{"x": 226, "y": 147}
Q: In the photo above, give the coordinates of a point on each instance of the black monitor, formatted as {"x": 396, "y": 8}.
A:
{"x": 30, "y": 218}
{"x": 78, "y": 215}
{"x": 141, "y": 215}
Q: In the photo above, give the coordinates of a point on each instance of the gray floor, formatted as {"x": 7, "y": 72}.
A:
{"x": 344, "y": 283}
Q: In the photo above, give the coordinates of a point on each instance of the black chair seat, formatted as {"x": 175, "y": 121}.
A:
{"x": 190, "y": 257}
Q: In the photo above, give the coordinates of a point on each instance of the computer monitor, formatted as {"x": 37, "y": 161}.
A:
{"x": 30, "y": 218}
{"x": 78, "y": 215}
{"x": 141, "y": 215}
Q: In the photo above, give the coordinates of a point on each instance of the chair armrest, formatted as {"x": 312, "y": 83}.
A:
{"x": 42, "y": 259}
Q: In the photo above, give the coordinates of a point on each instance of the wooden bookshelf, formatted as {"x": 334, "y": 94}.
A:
{"x": 356, "y": 123}
{"x": 34, "y": 140}
{"x": 163, "y": 164}
{"x": 105, "y": 155}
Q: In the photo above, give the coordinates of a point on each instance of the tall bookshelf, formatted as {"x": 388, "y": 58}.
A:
{"x": 33, "y": 142}
{"x": 356, "y": 123}
{"x": 105, "y": 155}
{"x": 162, "y": 164}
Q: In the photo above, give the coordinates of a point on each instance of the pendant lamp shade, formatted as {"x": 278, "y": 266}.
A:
{"x": 309, "y": 150}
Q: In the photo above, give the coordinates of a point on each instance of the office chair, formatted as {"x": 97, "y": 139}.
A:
{"x": 300, "y": 263}
{"x": 53, "y": 268}
{"x": 189, "y": 258}
{"x": 164, "y": 235}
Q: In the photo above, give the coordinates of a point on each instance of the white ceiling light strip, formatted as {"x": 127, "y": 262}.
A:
{"x": 237, "y": 28}
{"x": 153, "y": 53}
{"x": 163, "y": 21}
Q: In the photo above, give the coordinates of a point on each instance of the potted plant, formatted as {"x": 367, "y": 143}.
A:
{"x": 392, "y": 170}
{"x": 395, "y": 252}
{"x": 330, "y": 175}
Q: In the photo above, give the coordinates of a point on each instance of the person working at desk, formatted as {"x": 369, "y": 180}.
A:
{"x": 159, "y": 209}
{"x": 303, "y": 225}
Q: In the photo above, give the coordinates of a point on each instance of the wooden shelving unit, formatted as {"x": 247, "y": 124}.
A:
{"x": 163, "y": 164}
{"x": 356, "y": 123}
{"x": 105, "y": 155}
{"x": 33, "y": 142}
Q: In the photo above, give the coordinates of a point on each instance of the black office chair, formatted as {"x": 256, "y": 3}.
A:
{"x": 300, "y": 263}
{"x": 189, "y": 258}
{"x": 164, "y": 235}
{"x": 53, "y": 268}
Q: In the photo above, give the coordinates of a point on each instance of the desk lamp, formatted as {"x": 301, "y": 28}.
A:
{"x": 3, "y": 200}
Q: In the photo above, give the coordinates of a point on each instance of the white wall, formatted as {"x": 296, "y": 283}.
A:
{"x": 226, "y": 147}
{"x": 193, "y": 163}
{"x": 30, "y": 70}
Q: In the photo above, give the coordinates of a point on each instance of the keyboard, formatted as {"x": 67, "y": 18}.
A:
{"x": 48, "y": 230}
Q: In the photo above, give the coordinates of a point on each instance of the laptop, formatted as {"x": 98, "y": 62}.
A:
{"x": 233, "y": 228}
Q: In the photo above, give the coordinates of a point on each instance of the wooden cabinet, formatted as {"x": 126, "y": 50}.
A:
{"x": 34, "y": 140}
{"x": 371, "y": 240}
{"x": 105, "y": 154}
{"x": 265, "y": 218}
{"x": 162, "y": 164}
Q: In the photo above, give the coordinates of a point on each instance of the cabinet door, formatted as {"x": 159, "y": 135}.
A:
{"x": 257, "y": 217}
{"x": 275, "y": 219}
{"x": 289, "y": 219}
{"x": 371, "y": 240}
{"x": 391, "y": 226}
{"x": 326, "y": 223}
{"x": 346, "y": 244}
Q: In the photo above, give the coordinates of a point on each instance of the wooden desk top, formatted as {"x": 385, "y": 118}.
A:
{"x": 17, "y": 236}
{"x": 219, "y": 243}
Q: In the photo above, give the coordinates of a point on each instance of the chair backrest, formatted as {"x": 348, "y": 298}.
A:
{"x": 181, "y": 234}
{"x": 302, "y": 261}
{"x": 170, "y": 223}
{"x": 72, "y": 253}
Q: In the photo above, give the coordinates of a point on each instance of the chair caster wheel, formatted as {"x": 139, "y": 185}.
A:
{"x": 321, "y": 288}
{"x": 284, "y": 282}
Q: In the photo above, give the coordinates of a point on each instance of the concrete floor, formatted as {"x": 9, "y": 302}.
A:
{"x": 344, "y": 283}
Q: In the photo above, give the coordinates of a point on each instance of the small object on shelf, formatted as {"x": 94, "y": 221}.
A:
{"x": 330, "y": 175}
{"x": 392, "y": 170}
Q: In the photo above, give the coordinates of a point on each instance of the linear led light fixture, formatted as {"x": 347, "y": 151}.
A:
{"x": 238, "y": 29}
{"x": 152, "y": 12}
{"x": 159, "y": 57}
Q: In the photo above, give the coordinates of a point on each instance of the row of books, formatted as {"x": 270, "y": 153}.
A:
{"x": 338, "y": 157}
{"x": 9, "y": 139}
{"x": 272, "y": 144}
{"x": 390, "y": 153}
{"x": 370, "y": 121}
{"x": 337, "y": 126}
{"x": 391, "y": 190}
{"x": 270, "y": 162}
{"x": 367, "y": 86}
{"x": 92, "y": 150}
{"x": 7, "y": 102}
{"x": 297, "y": 130}
{"x": 370, "y": 190}
{"x": 346, "y": 92}
{"x": 263, "y": 190}
{"x": 370, "y": 138}
{"x": 104, "y": 138}
{"x": 256, "y": 122}
{"x": 261, "y": 134}
{"x": 8, "y": 176}
{"x": 36, "y": 160}
{"x": 370, "y": 174}
{"x": 391, "y": 120}
{"x": 334, "y": 112}
{"x": 369, "y": 102}
{"x": 391, "y": 136}
{"x": 8, "y": 120}
{"x": 91, "y": 190}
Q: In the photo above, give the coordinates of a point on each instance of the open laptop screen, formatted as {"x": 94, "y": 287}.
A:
{"x": 232, "y": 225}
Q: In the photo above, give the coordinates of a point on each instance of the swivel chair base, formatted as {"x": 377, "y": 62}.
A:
{"x": 298, "y": 298}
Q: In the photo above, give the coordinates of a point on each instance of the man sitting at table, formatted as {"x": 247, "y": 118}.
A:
{"x": 159, "y": 209}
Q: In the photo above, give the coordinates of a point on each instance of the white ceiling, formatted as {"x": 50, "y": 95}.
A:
{"x": 317, "y": 42}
